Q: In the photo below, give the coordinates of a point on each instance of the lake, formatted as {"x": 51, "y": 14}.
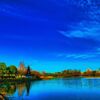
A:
{"x": 56, "y": 89}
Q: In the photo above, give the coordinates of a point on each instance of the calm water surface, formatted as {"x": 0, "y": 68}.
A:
{"x": 58, "y": 89}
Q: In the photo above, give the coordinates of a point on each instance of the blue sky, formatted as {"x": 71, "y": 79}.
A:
{"x": 50, "y": 35}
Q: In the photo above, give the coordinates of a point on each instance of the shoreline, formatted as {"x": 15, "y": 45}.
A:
{"x": 18, "y": 80}
{"x": 32, "y": 79}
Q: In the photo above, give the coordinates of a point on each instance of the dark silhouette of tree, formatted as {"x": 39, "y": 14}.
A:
{"x": 93, "y": 73}
{"x": 28, "y": 72}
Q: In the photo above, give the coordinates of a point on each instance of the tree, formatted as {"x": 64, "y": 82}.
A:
{"x": 2, "y": 68}
{"x": 93, "y": 73}
{"x": 28, "y": 73}
{"x": 12, "y": 69}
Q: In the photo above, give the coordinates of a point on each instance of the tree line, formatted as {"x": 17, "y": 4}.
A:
{"x": 13, "y": 72}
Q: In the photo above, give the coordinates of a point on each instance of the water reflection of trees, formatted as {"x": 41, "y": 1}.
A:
{"x": 81, "y": 83}
{"x": 22, "y": 87}
{"x": 93, "y": 83}
{"x": 72, "y": 82}
{"x": 28, "y": 86}
{"x": 9, "y": 88}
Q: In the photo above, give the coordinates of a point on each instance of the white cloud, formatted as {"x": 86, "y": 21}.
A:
{"x": 80, "y": 56}
{"x": 87, "y": 28}
{"x": 84, "y": 29}
{"x": 94, "y": 54}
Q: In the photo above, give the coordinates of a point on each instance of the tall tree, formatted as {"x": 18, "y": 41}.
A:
{"x": 28, "y": 73}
